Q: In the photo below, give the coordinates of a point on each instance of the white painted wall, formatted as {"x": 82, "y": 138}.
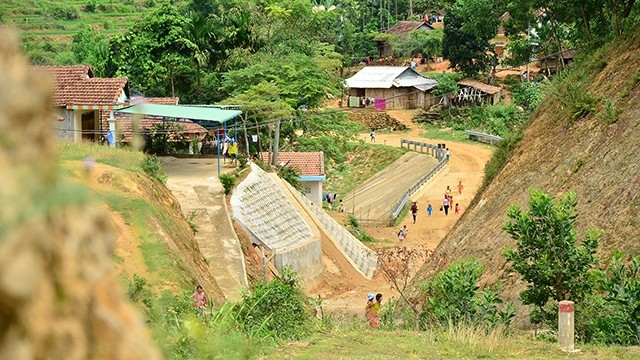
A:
{"x": 313, "y": 190}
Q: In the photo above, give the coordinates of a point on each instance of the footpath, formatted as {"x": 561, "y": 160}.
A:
{"x": 200, "y": 194}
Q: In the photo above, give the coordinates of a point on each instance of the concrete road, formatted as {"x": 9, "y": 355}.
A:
{"x": 195, "y": 184}
{"x": 375, "y": 198}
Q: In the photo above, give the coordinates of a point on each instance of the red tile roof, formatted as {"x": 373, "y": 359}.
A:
{"x": 309, "y": 163}
{"x": 124, "y": 123}
{"x": 76, "y": 85}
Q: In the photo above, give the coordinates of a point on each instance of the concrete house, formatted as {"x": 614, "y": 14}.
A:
{"x": 311, "y": 166}
{"x": 399, "y": 86}
{"x": 78, "y": 98}
{"x": 402, "y": 28}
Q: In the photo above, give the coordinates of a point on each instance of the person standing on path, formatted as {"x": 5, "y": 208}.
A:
{"x": 373, "y": 135}
{"x": 445, "y": 205}
{"x": 447, "y": 154}
{"x": 402, "y": 234}
{"x": 429, "y": 209}
{"x": 200, "y": 298}
{"x": 460, "y": 187}
{"x": 414, "y": 211}
{"x": 457, "y": 209}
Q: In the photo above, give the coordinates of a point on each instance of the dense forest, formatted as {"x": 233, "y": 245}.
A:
{"x": 205, "y": 51}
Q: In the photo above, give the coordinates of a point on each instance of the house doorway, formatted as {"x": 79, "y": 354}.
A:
{"x": 89, "y": 126}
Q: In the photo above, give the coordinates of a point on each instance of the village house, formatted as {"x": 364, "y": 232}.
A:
{"x": 78, "y": 98}
{"x": 402, "y": 28}
{"x": 551, "y": 64}
{"x": 391, "y": 88}
{"x": 475, "y": 92}
{"x": 311, "y": 166}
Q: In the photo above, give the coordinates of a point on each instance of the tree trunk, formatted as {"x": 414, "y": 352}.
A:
{"x": 246, "y": 137}
{"x": 587, "y": 27}
{"x": 276, "y": 143}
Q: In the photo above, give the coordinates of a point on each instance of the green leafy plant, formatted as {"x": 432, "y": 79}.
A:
{"x": 190, "y": 219}
{"x": 501, "y": 156}
{"x": 454, "y": 297}
{"x": 277, "y": 310}
{"x": 528, "y": 95}
{"x": 152, "y": 167}
{"x": 609, "y": 111}
{"x": 228, "y": 182}
{"x": 290, "y": 175}
{"x": 547, "y": 253}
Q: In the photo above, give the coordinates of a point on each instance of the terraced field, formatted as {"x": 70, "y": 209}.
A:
{"x": 47, "y": 26}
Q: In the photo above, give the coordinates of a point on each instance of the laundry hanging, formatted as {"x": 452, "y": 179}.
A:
{"x": 380, "y": 104}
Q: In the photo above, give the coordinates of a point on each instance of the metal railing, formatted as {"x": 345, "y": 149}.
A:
{"x": 483, "y": 137}
{"x": 432, "y": 150}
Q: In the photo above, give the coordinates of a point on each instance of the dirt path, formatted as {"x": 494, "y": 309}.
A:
{"x": 194, "y": 183}
{"x": 375, "y": 199}
{"x": 466, "y": 164}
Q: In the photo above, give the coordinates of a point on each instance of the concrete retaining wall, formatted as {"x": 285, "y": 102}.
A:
{"x": 262, "y": 208}
{"x": 359, "y": 255}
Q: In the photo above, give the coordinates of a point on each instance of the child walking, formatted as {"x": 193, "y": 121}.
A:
{"x": 429, "y": 210}
{"x": 457, "y": 209}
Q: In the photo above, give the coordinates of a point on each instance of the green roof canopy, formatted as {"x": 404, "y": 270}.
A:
{"x": 191, "y": 112}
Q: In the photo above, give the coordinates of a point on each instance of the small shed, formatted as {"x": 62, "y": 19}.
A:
{"x": 475, "y": 92}
{"x": 550, "y": 64}
{"x": 392, "y": 88}
{"x": 311, "y": 166}
{"x": 402, "y": 28}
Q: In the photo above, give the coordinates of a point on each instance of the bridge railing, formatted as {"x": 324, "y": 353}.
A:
{"x": 436, "y": 151}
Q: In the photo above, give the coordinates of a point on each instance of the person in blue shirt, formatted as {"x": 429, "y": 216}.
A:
{"x": 429, "y": 209}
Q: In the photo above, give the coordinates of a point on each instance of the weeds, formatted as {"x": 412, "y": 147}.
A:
{"x": 609, "y": 111}
{"x": 501, "y": 156}
{"x": 152, "y": 167}
{"x": 359, "y": 231}
{"x": 228, "y": 182}
{"x": 190, "y": 219}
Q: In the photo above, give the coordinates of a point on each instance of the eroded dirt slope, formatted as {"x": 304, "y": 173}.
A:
{"x": 597, "y": 159}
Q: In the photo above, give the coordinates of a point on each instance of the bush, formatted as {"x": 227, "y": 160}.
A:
{"x": 62, "y": 12}
{"x": 528, "y": 95}
{"x": 90, "y": 6}
{"x": 454, "y": 297}
{"x": 500, "y": 156}
{"x": 228, "y": 182}
{"x": 152, "y": 167}
{"x": 275, "y": 310}
{"x": 548, "y": 256}
{"x": 290, "y": 175}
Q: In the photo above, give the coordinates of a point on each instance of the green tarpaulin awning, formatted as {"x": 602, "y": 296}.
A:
{"x": 191, "y": 112}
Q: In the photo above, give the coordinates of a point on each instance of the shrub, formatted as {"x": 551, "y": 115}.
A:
{"x": 152, "y": 166}
{"x": 228, "y": 182}
{"x": 63, "y": 12}
{"x": 90, "y": 6}
{"x": 501, "y": 155}
{"x": 290, "y": 175}
{"x": 528, "y": 95}
{"x": 609, "y": 111}
{"x": 275, "y": 310}
{"x": 454, "y": 297}
{"x": 547, "y": 254}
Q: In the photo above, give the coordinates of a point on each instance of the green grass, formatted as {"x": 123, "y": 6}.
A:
{"x": 455, "y": 343}
{"x": 121, "y": 158}
{"x": 434, "y": 132}
{"x": 362, "y": 163}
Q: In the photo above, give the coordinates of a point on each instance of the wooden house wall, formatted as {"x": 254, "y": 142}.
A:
{"x": 399, "y": 98}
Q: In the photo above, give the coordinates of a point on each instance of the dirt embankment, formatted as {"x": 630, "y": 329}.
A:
{"x": 597, "y": 159}
{"x": 60, "y": 297}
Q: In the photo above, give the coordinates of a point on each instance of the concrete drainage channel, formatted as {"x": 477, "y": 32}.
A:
{"x": 284, "y": 223}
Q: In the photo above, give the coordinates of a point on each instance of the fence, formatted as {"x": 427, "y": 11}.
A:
{"x": 432, "y": 150}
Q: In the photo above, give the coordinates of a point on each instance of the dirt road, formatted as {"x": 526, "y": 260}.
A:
{"x": 195, "y": 184}
{"x": 466, "y": 164}
{"x": 375, "y": 199}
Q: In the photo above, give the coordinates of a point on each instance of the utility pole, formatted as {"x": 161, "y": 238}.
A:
{"x": 276, "y": 143}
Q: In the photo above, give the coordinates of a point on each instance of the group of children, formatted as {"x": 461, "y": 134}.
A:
{"x": 445, "y": 206}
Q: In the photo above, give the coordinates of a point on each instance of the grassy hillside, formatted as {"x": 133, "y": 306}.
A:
{"x": 47, "y": 26}
{"x": 584, "y": 137}
{"x": 153, "y": 240}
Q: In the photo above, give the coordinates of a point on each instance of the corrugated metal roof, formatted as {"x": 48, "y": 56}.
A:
{"x": 202, "y": 113}
{"x": 385, "y": 77}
